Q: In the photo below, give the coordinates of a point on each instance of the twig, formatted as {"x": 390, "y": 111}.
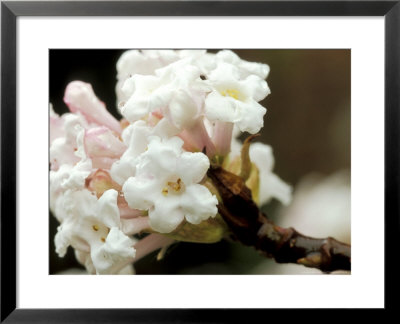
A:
{"x": 251, "y": 227}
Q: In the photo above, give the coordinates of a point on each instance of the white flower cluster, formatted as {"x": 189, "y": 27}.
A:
{"x": 111, "y": 179}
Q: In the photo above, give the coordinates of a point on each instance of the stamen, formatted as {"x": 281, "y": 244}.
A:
{"x": 231, "y": 93}
{"x": 175, "y": 185}
{"x": 95, "y": 228}
{"x": 103, "y": 239}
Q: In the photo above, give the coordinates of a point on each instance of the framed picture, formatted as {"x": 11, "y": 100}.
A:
{"x": 336, "y": 62}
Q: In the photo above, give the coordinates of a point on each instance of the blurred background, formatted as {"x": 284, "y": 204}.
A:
{"x": 307, "y": 124}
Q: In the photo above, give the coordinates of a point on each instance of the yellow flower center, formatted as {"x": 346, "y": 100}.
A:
{"x": 231, "y": 93}
{"x": 174, "y": 187}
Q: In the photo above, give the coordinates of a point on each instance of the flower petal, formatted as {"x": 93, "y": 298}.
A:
{"x": 192, "y": 167}
{"x": 107, "y": 209}
{"x": 182, "y": 111}
{"x": 271, "y": 186}
{"x": 79, "y": 97}
{"x": 246, "y": 68}
{"x": 101, "y": 142}
{"x": 166, "y": 214}
{"x": 218, "y": 107}
{"x": 251, "y": 117}
{"x": 256, "y": 87}
{"x": 198, "y": 204}
{"x": 114, "y": 254}
{"x": 140, "y": 192}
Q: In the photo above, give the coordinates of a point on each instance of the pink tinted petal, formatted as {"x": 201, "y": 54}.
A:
{"x": 101, "y": 142}
{"x": 79, "y": 97}
{"x": 196, "y": 139}
{"x": 56, "y": 127}
{"x": 127, "y": 213}
{"x": 151, "y": 243}
{"x": 134, "y": 225}
{"x": 100, "y": 181}
{"x": 62, "y": 152}
{"x": 103, "y": 162}
{"x": 222, "y": 137}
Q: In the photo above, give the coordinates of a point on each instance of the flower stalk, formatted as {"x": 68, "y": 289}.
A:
{"x": 253, "y": 228}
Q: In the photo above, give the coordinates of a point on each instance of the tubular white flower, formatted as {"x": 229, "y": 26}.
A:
{"x": 135, "y": 137}
{"x": 166, "y": 184}
{"x": 143, "y": 62}
{"x": 71, "y": 175}
{"x": 175, "y": 91}
{"x": 86, "y": 260}
{"x": 245, "y": 68}
{"x": 92, "y": 226}
{"x": 205, "y": 62}
{"x": 80, "y": 171}
{"x": 63, "y": 145}
{"x": 234, "y": 100}
{"x": 117, "y": 249}
{"x": 271, "y": 186}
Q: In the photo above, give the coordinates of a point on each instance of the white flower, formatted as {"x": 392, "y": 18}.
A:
{"x": 92, "y": 226}
{"x": 143, "y": 62}
{"x": 63, "y": 134}
{"x": 117, "y": 249}
{"x": 135, "y": 137}
{"x": 234, "y": 100}
{"x": 245, "y": 68}
{"x": 73, "y": 172}
{"x": 81, "y": 170}
{"x": 271, "y": 186}
{"x": 166, "y": 184}
{"x": 205, "y": 62}
{"x": 175, "y": 92}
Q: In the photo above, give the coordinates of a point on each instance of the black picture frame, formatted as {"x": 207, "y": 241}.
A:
{"x": 11, "y": 10}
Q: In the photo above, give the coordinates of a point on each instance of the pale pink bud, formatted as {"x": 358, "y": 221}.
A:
{"x": 222, "y": 137}
{"x": 196, "y": 138}
{"x": 101, "y": 142}
{"x": 79, "y": 97}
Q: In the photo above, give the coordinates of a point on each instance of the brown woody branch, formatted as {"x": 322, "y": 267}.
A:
{"x": 251, "y": 227}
